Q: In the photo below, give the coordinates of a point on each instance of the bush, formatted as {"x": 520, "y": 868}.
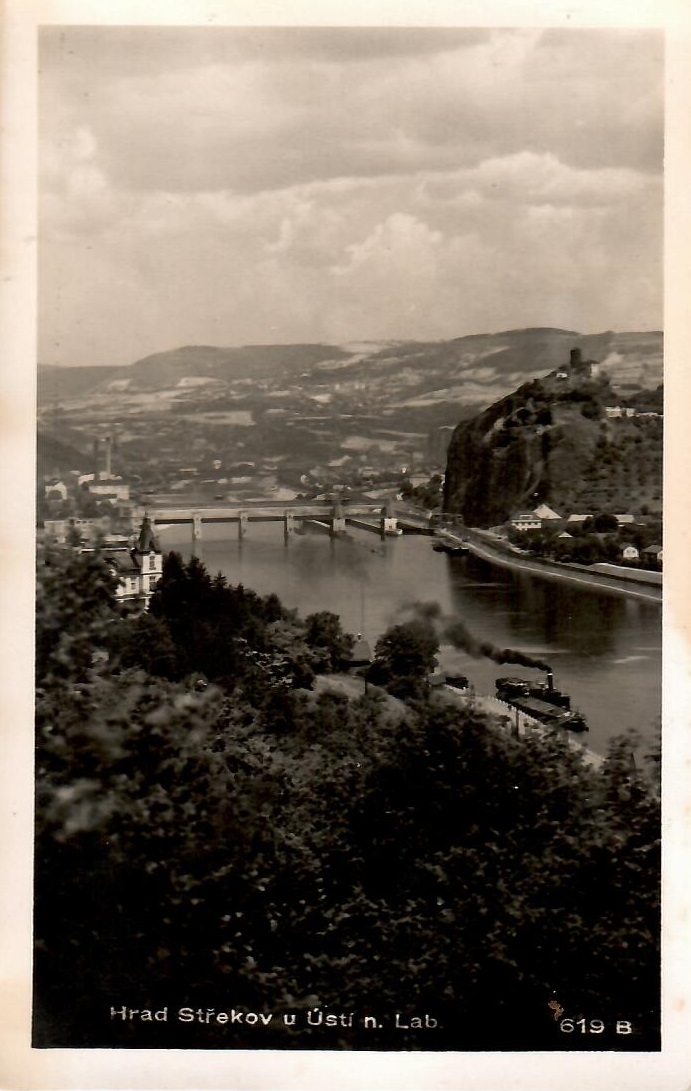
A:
{"x": 188, "y": 856}
{"x": 285, "y": 851}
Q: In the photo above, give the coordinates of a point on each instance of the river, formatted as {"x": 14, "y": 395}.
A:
{"x": 604, "y": 649}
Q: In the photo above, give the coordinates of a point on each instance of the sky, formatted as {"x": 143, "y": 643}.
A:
{"x": 229, "y": 186}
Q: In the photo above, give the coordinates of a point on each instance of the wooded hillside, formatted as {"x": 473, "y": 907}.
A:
{"x": 261, "y": 847}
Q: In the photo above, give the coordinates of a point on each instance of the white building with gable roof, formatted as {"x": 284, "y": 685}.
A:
{"x": 138, "y": 569}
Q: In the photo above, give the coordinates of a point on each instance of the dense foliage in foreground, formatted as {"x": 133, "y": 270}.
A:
{"x": 313, "y": 853}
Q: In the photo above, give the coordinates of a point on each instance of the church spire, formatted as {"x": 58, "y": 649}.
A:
{"x": 147, "y": 542}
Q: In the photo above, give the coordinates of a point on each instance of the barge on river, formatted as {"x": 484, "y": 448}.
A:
{"x": 542, "y": 701}
{"x": 454, "y": 549}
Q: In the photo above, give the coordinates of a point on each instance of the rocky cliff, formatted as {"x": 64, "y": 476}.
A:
{"x": 553, "y": 441}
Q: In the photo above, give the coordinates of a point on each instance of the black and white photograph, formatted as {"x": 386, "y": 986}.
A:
{"x": 348, "y": 628}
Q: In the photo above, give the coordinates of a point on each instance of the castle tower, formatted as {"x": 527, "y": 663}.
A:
{"x": 584, "y": 369}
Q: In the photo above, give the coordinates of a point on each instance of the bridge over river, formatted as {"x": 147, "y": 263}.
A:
{"x": 330, "y": 516}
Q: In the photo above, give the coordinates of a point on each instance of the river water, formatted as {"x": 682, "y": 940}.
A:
{"x": 604, "y": 649}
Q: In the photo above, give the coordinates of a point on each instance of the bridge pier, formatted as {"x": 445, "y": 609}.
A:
{"x": 288, "y": 526}
{"x": 338, "y": 523}
{"x": 331, "y": 517}
{"x": 389, "y": 521}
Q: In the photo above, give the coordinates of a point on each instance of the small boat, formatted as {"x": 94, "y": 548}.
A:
{"x": 458, "y": 681}
{"x": 453, "y": 549}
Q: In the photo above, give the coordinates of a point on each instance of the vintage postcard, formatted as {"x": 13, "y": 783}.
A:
{"x": 346, "y": 621}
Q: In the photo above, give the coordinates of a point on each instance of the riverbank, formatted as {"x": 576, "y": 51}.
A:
{"x": 605, "y": 648}
{"x": 519, "y": 723}
{"x": 509, "y": 717}
{"x": 551, "y": 570}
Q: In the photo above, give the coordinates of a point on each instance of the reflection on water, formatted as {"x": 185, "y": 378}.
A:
{"x": 605, "y": 649}
{"x": 558, "y": 614}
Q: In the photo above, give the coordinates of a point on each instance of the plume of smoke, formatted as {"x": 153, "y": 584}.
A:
{"x": 451, "y": 630}
{"x": 456, "y": 633}
{"x": 424, "y": 611}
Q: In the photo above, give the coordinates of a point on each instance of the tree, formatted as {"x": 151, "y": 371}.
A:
{"x": 211, "y": 622}
{"x": 146, "y": 642}
{"x": 324, "y": 634}
{"x": 75, "y": 603}
{"x": 588, "y": 549}
{"x": 404, "y": 657}
{"x": 511, "y": 873}
{"x": 292, "y": 851}
{"x": 129, "y": 790}
{"x": 605, "y": 523}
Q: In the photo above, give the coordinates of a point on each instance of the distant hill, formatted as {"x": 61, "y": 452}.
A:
{"x": 59, "y": 384}
{"x": 164, "y": 370}
{"x": 552, "y": 441}
{"x": 306, "y": 405}
{"x": 55, "y": 457}
{"x": 226, "y": 364}
{"x": 465, "y": 370}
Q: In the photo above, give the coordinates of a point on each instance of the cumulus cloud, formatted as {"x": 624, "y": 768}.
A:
{"x": 400, "y": 240}
{"x": 254, "y": 186}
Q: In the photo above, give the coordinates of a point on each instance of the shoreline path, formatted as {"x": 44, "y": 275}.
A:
{"x": 600, "y": 581}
